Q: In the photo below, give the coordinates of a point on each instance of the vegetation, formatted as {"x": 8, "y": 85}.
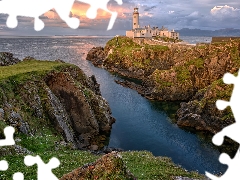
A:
{"x": 47, "y": 142}
{"x": 26, "y": 69}
{"x": 128, "y": 53}
{"x": 167, "y": 39}
{"x": 69, "y": 159}
{"x": 183, "y": 73}
{"x": 146, "y": 166}
{"x": 198, "y": 62}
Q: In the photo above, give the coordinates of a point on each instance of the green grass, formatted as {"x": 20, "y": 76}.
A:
{"x": 198, "y": 62}
{"x": 121, "y": 41}
{"x": 201, "y": 46}
{"x": 28, "y": 67}
{"x": 142, "y": 164}
{"x": 167, "y": 39}
{"x": 128, "y": 53}
{"x": 183, "y": 73}
{"x": 146, "y": 166}
{"x": 156, "y": 47}
{"x": 69, "y": 159}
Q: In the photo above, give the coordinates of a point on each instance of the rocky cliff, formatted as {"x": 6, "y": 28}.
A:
{"x": 40, "y": 94}
{"x": 201, "y": 111}
{"x": 57, "y": 110}
{"x": 174, "y": 72}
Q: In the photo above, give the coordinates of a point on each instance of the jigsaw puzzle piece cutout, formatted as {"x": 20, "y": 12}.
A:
{"x": 27, "y": 8}
{"x": 91, "y": 13}
{"x": 44, "y": 170}
{"x": 63, "y": 8}
{"x": 231, "y": 131}
{"x": 221, "y": 104}
{"x": 231, "y": 79}
{"x": 95, "y": 5}
{"x": 232, "y": 172}
{"x": 18, "y": 176}
{"x": 36, "y": 8}
{"x": 3, "y": 165}
{"x": 112, "y": 20}
{"x": 8, "y": 141}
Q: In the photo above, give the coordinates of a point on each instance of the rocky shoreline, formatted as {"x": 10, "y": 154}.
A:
{"x": 57, "y": 111}
{"x": 176, "y": 73}
{"x": 66, "y": 98}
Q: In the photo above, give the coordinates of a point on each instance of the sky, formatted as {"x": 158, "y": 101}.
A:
{"x": 173, "y": 14}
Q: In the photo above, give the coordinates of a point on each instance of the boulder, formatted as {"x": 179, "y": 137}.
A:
{"x": 7, "y": 59}
{"x": 96, "y": 55}
{"x": 109, "y": 166}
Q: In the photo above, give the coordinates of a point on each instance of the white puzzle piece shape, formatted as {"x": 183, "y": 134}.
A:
{"x": 8, "y": 141}
{"x": 231, "y": 131}
{"x": 36, "y": 8}
{"x": 44, "y": 170}
{"x": 101, "y": 4}
{"x": 3, "y": 165}
{"x": 232, "y": 172}
{"x": 18, "y": 176}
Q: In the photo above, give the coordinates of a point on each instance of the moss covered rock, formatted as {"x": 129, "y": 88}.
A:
{"x": 53, "y": 95}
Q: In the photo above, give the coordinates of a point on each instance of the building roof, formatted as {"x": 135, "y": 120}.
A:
{"x": 139, "y": 28}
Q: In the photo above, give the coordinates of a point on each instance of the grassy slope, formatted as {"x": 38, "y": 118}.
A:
{"x": 142, "y": 164}
{"x": 123, "y": 53}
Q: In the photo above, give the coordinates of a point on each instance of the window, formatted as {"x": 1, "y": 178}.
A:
{"x": 134, "y": 23}
{"x": 134, "y": 16}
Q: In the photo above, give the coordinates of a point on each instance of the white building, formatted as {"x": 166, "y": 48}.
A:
{"x": 147, "y": 31}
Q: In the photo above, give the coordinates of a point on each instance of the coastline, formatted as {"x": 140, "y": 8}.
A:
{"x": 110, "y": 59}
{"x": 56, "y": 144}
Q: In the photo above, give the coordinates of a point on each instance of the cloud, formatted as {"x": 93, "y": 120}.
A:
{"x": 174, "y": 14}
{"x": 194, "y": 15}
{"x": 150, "y": 8}
{"x": 225, "y": 11}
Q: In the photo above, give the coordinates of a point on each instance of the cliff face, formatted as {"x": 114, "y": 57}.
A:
{"x": 62, "y": 99}
{"x": 56, "y": 110}
{"x": 201, "y": 111}
{"x": 171, "y": 72}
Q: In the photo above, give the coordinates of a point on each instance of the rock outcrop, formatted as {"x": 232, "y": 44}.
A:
{"x": 171, "y": 72}
{"x": 109, "y": 166}
{"x": 174, "y": 72}
{"x": 64, "y": 99}
{"x": 96, "y": 55}
{"x": 201, "y": 113}
{"x": 7, "y": 59}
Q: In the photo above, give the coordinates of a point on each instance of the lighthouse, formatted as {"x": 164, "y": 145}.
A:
{"x": 147, "y": 31}
{"x": 135, "y": 18}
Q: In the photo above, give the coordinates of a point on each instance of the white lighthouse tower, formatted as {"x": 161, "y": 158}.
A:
{"x": 135, "y": 18}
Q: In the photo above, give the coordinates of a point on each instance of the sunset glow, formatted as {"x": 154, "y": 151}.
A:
{"x": 172, "y": 14}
